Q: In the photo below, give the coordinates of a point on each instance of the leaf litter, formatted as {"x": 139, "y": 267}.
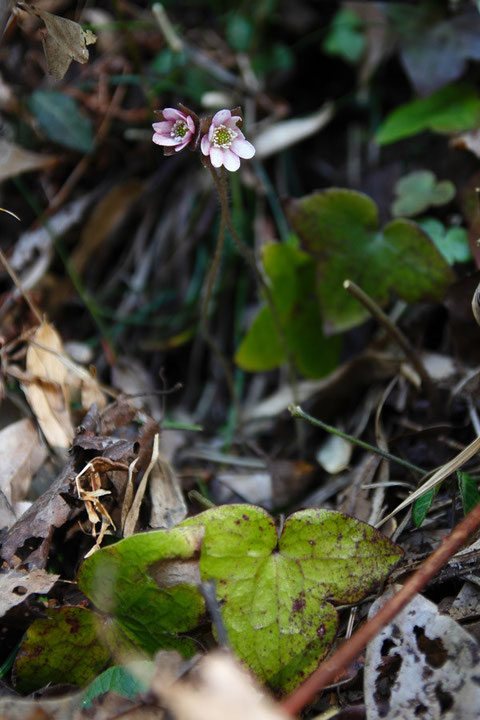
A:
{"x": 126, "y": 281}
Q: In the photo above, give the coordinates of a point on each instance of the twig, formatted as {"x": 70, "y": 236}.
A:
{"x": 20, "y": 287}
{"x": 392, "y": 330}
{"x": 330, "y": 668}
{"x": 297, "y": 412}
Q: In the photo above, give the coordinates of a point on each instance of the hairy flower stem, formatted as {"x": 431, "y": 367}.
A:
{"x": 249, "y": 257}
{"x": 209, "y": 285}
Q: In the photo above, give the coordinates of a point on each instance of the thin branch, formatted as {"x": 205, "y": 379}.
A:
{"x": 374, "y": 309}
{"x": 331, "y": 668}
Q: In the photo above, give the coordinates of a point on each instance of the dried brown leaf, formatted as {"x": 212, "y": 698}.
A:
{"x": 47, "y": 396}
{"x": 221, "y": 689}
{"x": 17, "y": 585}
{"x": 14, "y": 160}
{"x": 21, "y": 454}
{"x": 63, "y": 41}
{"x": 30, "y": 536}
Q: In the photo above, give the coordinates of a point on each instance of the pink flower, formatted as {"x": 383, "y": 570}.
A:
{"x": 175, "y": 130}
{"x": 225, "y": 143}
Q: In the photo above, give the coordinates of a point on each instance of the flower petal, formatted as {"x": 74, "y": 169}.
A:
{"x": 185, "y": 142}
{"x": 205, "y": 145}
{"x": 164, "y": 126}
{"x": 172, "y": 114}
{"x": 165, "y": 140}
{"x": 216, "y": 156}
{"x": 191, "y": 124}
{"x": 230, "y": 160}
{"x": 232, "y": 122}
{"x": 221, "y": 117}
{"x": 243, "y": 148}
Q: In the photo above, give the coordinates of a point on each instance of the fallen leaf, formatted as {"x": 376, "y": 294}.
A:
{"x": 437, "y": 53}
{"x": 422, "y": 663}
{"x": 221, "y": 689}
{"x": 30, "y": 536}
{"x": 168, "y": 503}
{"x": 21, "y": 454}
{"x": 47, "y": 395}
{"x": 276, "y": 593}
{"x": 14, "y": 160}
{"x": 17, "y": 585}
{"x": 286, "y": 133}
{"x": 62, "y": 708}
{"x": 63, "y": 41}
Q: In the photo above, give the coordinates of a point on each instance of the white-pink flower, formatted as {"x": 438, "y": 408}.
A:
{"x": 225, "y": 143}
{"x": 175, "y": 130}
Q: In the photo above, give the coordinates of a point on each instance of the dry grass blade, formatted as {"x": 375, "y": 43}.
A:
{"x": 443, "y": 472}
{"x": 132, "y": 515}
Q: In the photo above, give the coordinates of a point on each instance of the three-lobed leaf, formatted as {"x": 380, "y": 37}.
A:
{"x": 291, "y": 273}
{"x": 418, "y": 190}
{"x": 147, "y": 582}
{"x": 277, "y": 592}
{"x": 340, "y": 228}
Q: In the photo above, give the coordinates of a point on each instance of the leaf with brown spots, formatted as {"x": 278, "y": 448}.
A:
{"x": 62, "y": 647}
{"x": 277, "y": 594}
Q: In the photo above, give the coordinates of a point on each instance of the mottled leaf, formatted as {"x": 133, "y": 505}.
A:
{"x": 63, "y": 647}
{"x": 277, "y": 593}
{"x": 147, "y": 583}
{"x": 340, "y": 228}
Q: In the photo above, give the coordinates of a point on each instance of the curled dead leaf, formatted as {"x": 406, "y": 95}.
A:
{"x": 47, "y": 394}
{"x": 63, "y": 41}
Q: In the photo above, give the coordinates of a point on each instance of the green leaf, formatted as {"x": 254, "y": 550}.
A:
{"x": 62, "y": 648}
{"x": 346, "y": 37}
{"x": 61, "y": 120}
{"x": 276, "y": 593}
{"x": 239, "y": 32}
{"x": 468, "y": 487}
{"x": 452, "y": 109}
{"x": 422, "y": 506}
{"x": 340, "y": 228}
{"x": 291, "y": 273}
{"x": 145, "y": 582}
{"x": 418, "y": 190}
{"x": 126, "y": 680}
{"x": 452, "y": 243}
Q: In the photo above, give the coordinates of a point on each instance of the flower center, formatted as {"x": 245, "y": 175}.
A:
{"x": 223, "y": 136}
{"x": 179, "y": 130}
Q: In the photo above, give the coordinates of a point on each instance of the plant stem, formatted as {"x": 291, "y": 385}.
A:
{"x": 374, "y": 309}
{"x": 297, "y": 412}
{"x": 209, "y": 285}
{"x": 249, "y": 257}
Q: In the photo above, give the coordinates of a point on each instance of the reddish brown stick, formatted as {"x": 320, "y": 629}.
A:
{"x": 329, "y": 669}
